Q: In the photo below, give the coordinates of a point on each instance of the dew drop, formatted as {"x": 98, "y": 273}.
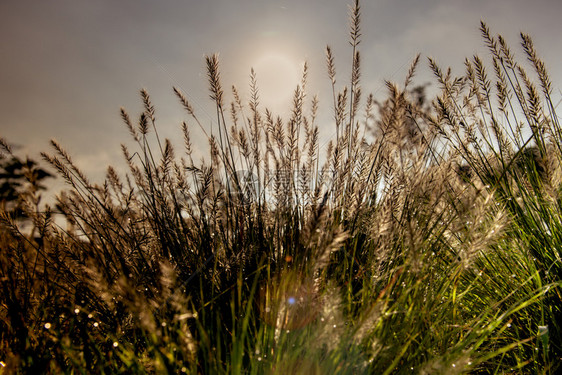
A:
{"x": 115, "y": 344}
{"x": 47, "y": 325}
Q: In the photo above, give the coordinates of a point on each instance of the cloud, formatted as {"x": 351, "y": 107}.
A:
{"x": 68, "y": 66}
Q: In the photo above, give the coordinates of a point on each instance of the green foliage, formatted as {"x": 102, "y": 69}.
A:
{"x": 19, "y": 181}
{"x": 430, "y": 245}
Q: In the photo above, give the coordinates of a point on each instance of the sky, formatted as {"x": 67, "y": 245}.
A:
{"x": 67, "y": 66}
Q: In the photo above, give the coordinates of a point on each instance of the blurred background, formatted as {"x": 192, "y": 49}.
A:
{"x": 67, "y": 66}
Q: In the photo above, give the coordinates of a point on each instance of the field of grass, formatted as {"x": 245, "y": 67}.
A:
{"x": 426, "y": 240}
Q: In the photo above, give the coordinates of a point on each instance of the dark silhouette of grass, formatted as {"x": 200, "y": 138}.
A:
{"x": 429, "y": 246}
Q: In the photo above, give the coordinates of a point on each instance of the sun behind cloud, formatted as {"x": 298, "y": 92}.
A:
{"x": 278, "y": 74}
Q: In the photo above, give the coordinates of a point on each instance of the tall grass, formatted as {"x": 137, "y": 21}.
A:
{"x": 424, "y": 240}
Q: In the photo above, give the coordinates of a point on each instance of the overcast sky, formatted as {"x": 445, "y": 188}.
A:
{"x": 67, "y": 66}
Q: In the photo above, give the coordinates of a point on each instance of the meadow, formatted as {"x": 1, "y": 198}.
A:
{"x": 426, "y": 239}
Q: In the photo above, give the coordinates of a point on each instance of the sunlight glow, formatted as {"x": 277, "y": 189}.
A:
{"x": 277, "y": 75}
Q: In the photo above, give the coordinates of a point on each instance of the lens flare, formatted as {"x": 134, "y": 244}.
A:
{"x": 289, "y": 301}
